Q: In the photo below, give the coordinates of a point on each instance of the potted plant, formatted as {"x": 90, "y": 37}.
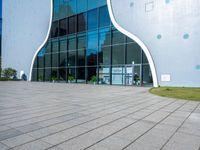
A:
{"x": 71, "y": 78}
{"x": 93, "y": 80}
{"x": 54, "y": 79}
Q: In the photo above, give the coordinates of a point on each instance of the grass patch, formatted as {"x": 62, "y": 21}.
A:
{"x": 178, "y": 93}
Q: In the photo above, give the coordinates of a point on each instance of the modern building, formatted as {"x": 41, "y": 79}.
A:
{"x": 0, "y": 32}
{"x": 146, "y": 42}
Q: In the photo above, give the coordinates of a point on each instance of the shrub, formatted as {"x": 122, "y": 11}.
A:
{"x": 93, "y": 79}
{"x": 9, "y": 73}
{"x": 71, "y": 78}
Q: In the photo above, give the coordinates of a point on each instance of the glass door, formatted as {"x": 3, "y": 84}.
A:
{"x": 132, "y": 75}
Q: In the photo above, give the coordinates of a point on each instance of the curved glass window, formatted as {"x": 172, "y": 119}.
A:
{"x": 72, "y": 25}
{"x": 82, "y": 22}
{"x": 92, "y": 4}
{"x": 81, "y": 6}
{"x": 63, "y": 28}
{"x": 55, "y": 29}
{"x": 104, "y": 18}
{"x": 84, "y": 45}
{"x": 93, "y": 19}
{"x": 71, "y": 7}
{"x": 104, "y": 37}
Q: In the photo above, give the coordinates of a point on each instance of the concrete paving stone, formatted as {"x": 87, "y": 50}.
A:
{"x": 28, "y": 128}
{"x": 9, "y": 133}
{"x": 56, "y": 113}
{"x": 64, "y": 135}
{"x": 3, "y": 128}
{"x": 18, "y": 140}
{"x": 139, "y": 114}
{"x": 173, "y": 121}
{"x": 182, "y": 141}
{"x": 190, "y": 106}
{"x": 35, "y": 145}
{"x": 156, "y": 116}
{"x": 134, "y": 131}
{"x": 153, "y": 139}
{"x": 110, "y": 143}
{"x": 3, "y": 147}
{"x": 96, "y": 135}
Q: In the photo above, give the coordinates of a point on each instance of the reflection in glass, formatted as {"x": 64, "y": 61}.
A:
{"x": 34, "y": 75}
{"x": 91, "y": 74}
{"x": 104, "y": 18}
{"x": 92, "y": 19}
{"x": 62, "y": 74}
{"x": 63, "y": 30}
{"x": 104, "y": 37}
{"x": 81, "y": 58}
{"x": 71, "y": 7}
{"x": 104, "y": 56}
{"x": 81, "y": 75}
{"x": 72, "y": 25}
{"x": 54, "y": 29}
{"x": 118, "y": 54}
{"x": 62, "y": 9}
{"x": 63, "y": 45}
{"x": 71, "y": 75}
{"x": 71, "y": 58}
{"x": 48, "y": 74}
{"x": 117, "y": 75}
{"x": 81, "y": 25}
{"x": 81, "y": 6}
{"x": 133, "y": 53}
{"x": 92, "y": 40}
{"x": 92, "y": 4}
{"x": 40, "y": 74}
{"x": 104, "y": 75}
{"x": 55, "y": 46}
{"x": 47, "y": 60}
{"x": 92, "y": 56}
{"x": 63, "y": 59}
{"x": 55, "y": 60}
{"x": 81, "y": 39}
{"x": 72, "y": 43}
{"x": 117, "y": 37}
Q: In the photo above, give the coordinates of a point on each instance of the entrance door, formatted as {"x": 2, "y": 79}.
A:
{"x": 132, "y": 75}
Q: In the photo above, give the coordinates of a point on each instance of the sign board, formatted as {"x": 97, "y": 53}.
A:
{"x": 165, "y": 77}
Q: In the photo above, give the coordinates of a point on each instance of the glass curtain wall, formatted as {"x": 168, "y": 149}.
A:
{"x": 84, "y": 47}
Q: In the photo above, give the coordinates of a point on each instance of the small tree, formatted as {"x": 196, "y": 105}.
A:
{"x": 71, "y": 78}
{"x": 93, "y": 79}
{"x": 9, "y": 73}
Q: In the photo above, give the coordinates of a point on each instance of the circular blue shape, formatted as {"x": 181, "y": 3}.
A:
{"x": 131, "y": 4}
{"x": 167, "y": 1}
{"x": 186, "y": 36}
{"x": 198, "y": 67}
{"x": 159, "y": 36}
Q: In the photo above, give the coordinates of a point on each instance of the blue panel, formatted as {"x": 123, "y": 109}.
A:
{"x": 71, "y": 7}
{"x": 92, "y": 39}
{"x": 81, "y": 6}
{"x": 104, "y": 19}
{"x": 92, "y": 19}
{"x": 102, "y": 2}
{"x": 92, "y": 4}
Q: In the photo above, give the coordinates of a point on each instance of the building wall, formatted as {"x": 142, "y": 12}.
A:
{"x": 170, "y": 30}
{"x": 25, "y": 27}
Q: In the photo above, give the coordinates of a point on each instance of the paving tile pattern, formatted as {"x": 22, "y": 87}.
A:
{"x": 55, "y": 116}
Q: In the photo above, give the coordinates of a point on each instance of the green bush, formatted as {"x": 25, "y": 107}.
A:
{"x": 9, "y": 73}
{"x": 71, "y": 78}
{"x": 93, "y": 79}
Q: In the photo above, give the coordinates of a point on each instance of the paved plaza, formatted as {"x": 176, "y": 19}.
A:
{"x": 58, "y": 116}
